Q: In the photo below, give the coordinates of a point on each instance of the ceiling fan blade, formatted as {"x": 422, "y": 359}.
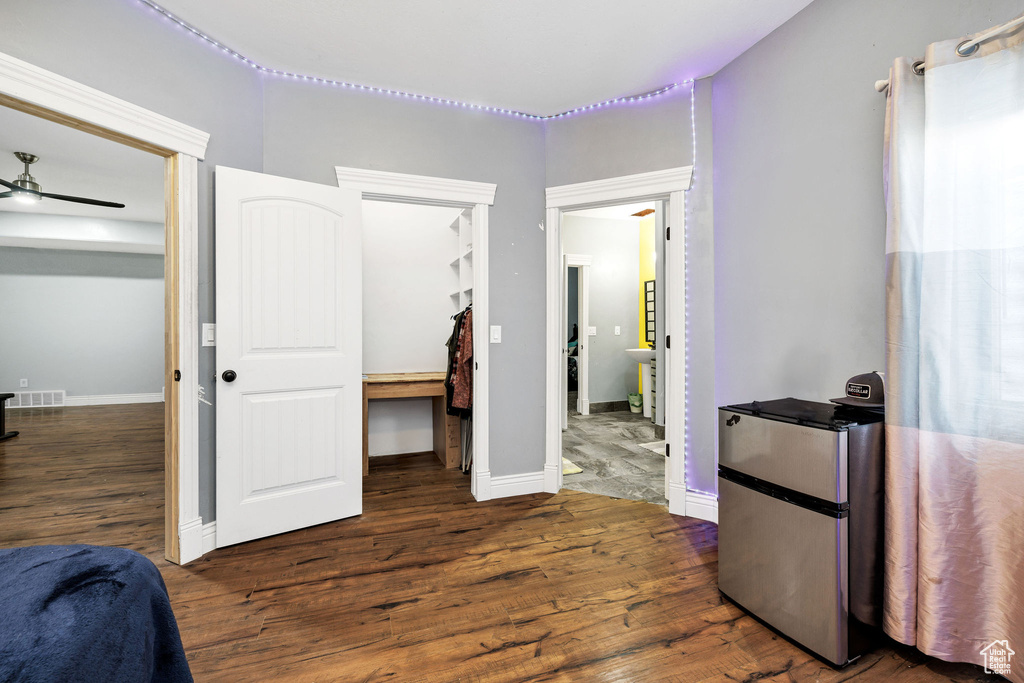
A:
{"x": 82, "y": 200}
{"x": 6, "y": 184}
{"x": 4, "y": 195}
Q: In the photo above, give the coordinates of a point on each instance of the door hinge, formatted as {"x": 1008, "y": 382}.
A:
{"x": 177, "y": 375}
{"x": 667, "y": 449}
{"x": 668, "y": 341}
{"x": 668, "y": 233}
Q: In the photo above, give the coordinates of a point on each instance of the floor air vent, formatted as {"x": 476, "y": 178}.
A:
{"x": 36, "y": 399}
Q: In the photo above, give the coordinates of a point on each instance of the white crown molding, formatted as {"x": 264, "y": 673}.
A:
{"x": 385, "y": 185}
{"x": 635, "y": 187}
{"x": 46, "y": 90}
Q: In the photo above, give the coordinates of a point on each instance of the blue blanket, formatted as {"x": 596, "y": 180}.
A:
{"x": 86, "y": 613}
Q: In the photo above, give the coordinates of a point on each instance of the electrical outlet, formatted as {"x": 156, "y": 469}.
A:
{"x": 23, "y": 384}
{"x": 591, "y": 331}
{"x": 618, "y": 330}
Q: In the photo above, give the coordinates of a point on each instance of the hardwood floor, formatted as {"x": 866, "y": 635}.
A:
{"x": 426, "y": 585}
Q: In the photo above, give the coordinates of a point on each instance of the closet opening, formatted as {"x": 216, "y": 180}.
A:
{"x": 613, "y": 435}
{"x": 456, "y": 278}
{"x": 417, "y": 335}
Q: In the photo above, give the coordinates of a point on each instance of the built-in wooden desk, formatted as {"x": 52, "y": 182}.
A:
{"x": 447, "y": 430}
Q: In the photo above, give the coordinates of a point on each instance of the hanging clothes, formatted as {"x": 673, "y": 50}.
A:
{"x": 462, "y": 392}
{"x": 456, "y": 367}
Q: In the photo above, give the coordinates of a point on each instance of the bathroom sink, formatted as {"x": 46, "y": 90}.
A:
{"x": 641, "y": 355}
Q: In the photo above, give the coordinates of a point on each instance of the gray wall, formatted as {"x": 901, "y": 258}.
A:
{"x": 309, "y": 130}
{"x": 620, "y": 140}
{"x": 614, "y": 246}
{"x": 799, "y": 214}
{"x": 88, "y": 322}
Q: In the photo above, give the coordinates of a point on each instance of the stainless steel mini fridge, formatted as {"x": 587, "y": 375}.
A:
{"x": 800, "y": 520}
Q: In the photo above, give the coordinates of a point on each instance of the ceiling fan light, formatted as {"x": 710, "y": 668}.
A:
{"x": 25, "y": 197}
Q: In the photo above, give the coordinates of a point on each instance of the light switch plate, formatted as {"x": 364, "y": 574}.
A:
{"x": 591, "y": 331}
{"x": 495, "y": 334}
{"x": 209, "y": 334}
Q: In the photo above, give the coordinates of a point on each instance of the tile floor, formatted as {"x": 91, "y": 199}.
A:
{"x": 607, "y": 447}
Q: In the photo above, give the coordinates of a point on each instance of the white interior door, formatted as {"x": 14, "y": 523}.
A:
{"x": 289, "y": 354}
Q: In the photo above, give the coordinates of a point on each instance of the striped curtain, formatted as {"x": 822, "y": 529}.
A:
{"x": 954, "y": 182}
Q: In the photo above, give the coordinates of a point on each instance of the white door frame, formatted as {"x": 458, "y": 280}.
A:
{"x": 50, "y": 96}
{"x": 582, "y": 263}
{"x": 416, "y": 189}
{"x": 669, "y": 185}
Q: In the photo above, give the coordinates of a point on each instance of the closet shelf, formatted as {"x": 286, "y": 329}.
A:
{"x": 469, "y": 254}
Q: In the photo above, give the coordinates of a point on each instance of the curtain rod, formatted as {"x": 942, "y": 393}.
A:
{"x": 966, "y": 48}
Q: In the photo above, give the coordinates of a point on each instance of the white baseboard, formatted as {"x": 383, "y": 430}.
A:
{"x": 517, "y": 484}
{"x": 481, "y": 485}
{"x": 190, "y": 540}
{"x": 209, "y": 536}
{"x": 677, "y": 499}
{"x": 113, "y": 399}
{"x": 702, "y": 506}
{"x": 551, "y": 477}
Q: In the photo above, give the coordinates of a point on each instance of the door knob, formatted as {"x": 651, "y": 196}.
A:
{"x": 229, "y": 375}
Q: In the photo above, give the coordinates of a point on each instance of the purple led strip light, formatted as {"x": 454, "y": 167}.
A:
{"x": 400, "y": 93}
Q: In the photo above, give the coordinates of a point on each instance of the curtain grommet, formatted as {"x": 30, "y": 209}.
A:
{"x": 968, "y": 53}
{"x": 918, "y": 67}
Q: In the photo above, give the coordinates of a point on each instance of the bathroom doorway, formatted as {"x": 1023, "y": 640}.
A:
{"x": 610, "y": 441}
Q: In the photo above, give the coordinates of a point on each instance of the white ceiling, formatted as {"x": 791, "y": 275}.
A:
{"x": 535, "y": 56}
{"x": 81, "y": 165}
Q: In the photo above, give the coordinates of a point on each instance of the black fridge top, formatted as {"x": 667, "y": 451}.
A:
{"x": 810, "y": 413}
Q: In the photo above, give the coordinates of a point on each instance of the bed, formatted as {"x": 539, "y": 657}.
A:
{"x": 86, "y": 613}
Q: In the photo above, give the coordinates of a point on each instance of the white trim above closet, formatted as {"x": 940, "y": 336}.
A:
{"x": 417, "y": 189}
{"x": 388, "y": 186}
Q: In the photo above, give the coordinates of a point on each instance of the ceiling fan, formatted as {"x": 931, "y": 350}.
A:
{"x": 26, "y": 189}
